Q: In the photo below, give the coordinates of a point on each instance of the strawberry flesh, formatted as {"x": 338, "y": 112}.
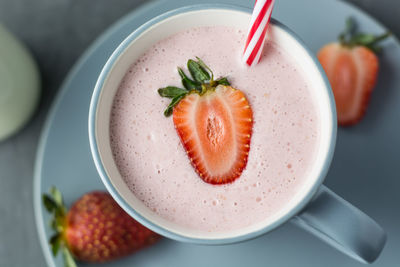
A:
{"x": 215, "y": 129}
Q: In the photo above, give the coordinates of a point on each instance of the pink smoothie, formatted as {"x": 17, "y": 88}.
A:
{"x": 152, "y": 161}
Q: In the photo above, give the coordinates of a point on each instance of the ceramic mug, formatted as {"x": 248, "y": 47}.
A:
{"x": 314, "y": 208}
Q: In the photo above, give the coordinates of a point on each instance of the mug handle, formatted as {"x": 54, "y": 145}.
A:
{"x": 340, "y": 224}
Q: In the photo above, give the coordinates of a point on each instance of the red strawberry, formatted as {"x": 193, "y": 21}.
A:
{"x": 95, "y": 229}
{"x": 352, "y": 69}
{"x": 214, "y": 122}
{"x": 215, "y": 130}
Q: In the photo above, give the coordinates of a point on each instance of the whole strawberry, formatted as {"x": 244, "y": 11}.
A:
{"x": 352, "y": 68}
{"x": 95, "y": 229}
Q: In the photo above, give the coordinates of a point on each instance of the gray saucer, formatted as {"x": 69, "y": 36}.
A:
{"x": 365, "y": 169}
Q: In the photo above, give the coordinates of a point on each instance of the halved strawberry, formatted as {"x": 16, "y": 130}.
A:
{"x": 214, "y": 122}
{"x": 352, "y": 69}
{"x": 215, "y": 130}
{"x": 352, "y": 74}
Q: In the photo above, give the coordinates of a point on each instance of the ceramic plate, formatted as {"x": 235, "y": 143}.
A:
{"x": 365, "y": 169}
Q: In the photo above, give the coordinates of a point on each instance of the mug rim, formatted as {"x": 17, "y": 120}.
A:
{"x": 160, "y": 229}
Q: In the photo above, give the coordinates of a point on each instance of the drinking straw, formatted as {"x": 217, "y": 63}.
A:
{"x": 258, "y": 27}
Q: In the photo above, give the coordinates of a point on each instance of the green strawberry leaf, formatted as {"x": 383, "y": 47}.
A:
{"x": 54, "y": 224}
{"x": 369, "y": 40}
{"x": 381, "y": 37}
{"x": 49, "y": 203}
{"x": 362, "y": 38}
{"x": 351, "y": 38}
{"x": 171, "y": 91}
{"x": 373, "y": 44}
{"x": 348, "y": 32}
{"x": 198, "y": 73}
{"x": 204, "y": 66}
{"x": 55, "y": 243}
{"x": 223, "y": 81}
{"x": 57, "y": 197}
{"x": 188, "y": 83}
{"x": 68, "y": 258}
{"x": 171, "y": 106}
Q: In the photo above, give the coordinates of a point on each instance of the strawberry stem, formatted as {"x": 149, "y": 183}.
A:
{"x": 350, "y": 38}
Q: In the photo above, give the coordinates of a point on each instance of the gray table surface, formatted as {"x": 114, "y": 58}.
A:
{"x": 57, "y": 32}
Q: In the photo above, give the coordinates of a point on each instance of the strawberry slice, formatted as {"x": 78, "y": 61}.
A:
{"x": 215, "y": 130}
{"x": 214, "y": 122}
{"x": 352, "y": 69}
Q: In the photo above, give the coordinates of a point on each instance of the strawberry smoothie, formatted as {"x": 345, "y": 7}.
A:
{"x": 153, "y": 162}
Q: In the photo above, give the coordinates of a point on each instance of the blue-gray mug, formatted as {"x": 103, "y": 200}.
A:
{"x": 314, "y": 208}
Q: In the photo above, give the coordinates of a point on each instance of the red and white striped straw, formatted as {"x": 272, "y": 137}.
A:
{"x": 258, "y": 27}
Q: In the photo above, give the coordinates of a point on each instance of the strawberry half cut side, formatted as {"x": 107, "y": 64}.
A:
{"x": 352, "y": 67}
